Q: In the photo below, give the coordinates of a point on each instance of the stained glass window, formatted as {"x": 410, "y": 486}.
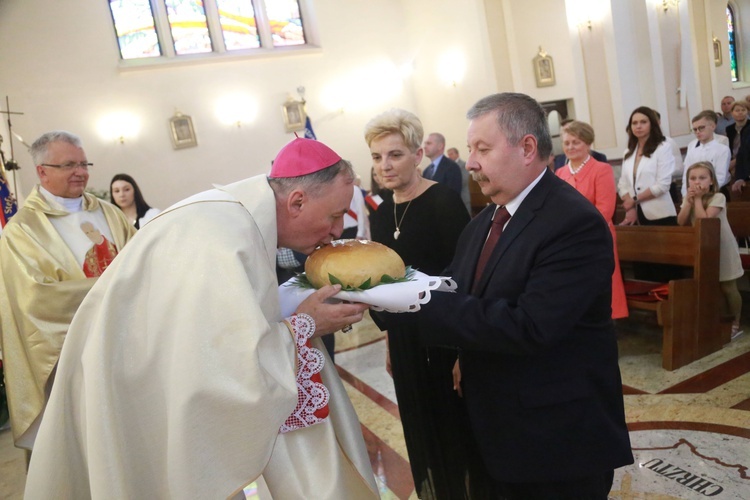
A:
{"x": 187, "y": 21}
{"x": 134, "y": 25}
{"x": 732, "y": 43}
{"x": 238, "y": 24}
{"x": 205, "y": 26}
{"x": 286, "y": 22}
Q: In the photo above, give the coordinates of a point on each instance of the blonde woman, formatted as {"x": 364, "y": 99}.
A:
{"x": 422, "y": 222}
{"x": 594, "y": 180}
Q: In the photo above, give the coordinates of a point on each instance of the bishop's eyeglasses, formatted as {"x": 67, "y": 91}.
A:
{"x": 67, "y": 167}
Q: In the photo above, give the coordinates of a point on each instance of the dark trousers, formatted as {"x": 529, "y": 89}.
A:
{"x": 660, "y": 273}
{"x": 594, "y": 487}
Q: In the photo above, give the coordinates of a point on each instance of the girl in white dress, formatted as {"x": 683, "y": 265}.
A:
{"x": 703, "y": 200}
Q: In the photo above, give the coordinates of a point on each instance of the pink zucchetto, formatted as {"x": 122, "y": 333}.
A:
{"x": 302, "y": 157}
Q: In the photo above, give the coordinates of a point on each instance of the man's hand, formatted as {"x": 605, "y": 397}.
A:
{"x": 457, "y": 379}
{"x": 330, "y": 317}
{"x": 738, "y": 185}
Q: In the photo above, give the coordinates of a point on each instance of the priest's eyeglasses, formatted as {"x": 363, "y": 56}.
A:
{"x": 70, "y": 165}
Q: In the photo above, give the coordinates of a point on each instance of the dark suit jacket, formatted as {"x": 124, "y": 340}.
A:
{"x": 539, "y": 354}
{"x": 742, "y": 163}
{"x": 449, "y": 173}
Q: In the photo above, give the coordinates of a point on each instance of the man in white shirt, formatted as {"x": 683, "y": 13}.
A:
{"x": 356, "y": 223}
{"x": 706, "y": 148}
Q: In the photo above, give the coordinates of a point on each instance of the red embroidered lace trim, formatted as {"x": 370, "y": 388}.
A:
{"x": 312, "y": 395}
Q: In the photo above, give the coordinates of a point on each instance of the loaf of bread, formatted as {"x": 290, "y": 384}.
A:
{"x": 352, "y": 263}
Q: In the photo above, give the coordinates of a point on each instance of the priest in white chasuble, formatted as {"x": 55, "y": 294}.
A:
{"x": 181, "y": 379}
{"x": 44, "y": 274}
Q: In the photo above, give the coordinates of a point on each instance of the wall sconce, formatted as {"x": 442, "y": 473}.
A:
{"x": 584, "y": 13}
{"x": 376, "y": 84}
{"x": 119, "y": 126}
{"x": 236, "y": 109}
{"x": 666, "y": 4}
{"x": 451, "y": 67}
{"x": 406, "y": 70}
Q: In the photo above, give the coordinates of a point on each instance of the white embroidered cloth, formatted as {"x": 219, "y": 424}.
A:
{"x": 312, "y": 395}
{"x": 393, "y": 297}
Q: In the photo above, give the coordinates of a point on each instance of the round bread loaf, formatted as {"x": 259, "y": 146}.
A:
{"x": 353, "y": 262}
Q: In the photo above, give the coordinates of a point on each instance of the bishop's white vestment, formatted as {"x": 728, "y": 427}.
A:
{"x": 178, "y": 372}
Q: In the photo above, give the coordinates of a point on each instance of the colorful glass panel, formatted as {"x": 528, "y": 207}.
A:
{"x": 134, "y": 25}
{"x": 237, "y": 19}
{"x": 187, "y": 20}
{"x": 286, "y": 22}
{"x": 732, "y": 43}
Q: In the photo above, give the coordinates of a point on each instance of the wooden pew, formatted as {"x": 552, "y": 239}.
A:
{"x": 690, "y": 316}
{"x": 738, "y": 215}
{"x": 741, "y": 197}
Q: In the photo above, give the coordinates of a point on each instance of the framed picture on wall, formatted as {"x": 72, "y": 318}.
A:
{"x": 182, "y": 131}
{"x": 294, "y": 115}
{"x": 717, "y": 52}
{"x": 544, "y": 69}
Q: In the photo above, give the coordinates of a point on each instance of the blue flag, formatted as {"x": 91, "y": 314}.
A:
{"x": 8, "y": 205}
{"x": 309, "y": 134}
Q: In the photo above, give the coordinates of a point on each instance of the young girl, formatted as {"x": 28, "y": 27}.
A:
{"x": 702, "y": 200}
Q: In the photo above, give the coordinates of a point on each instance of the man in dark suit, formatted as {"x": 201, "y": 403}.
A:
{"x": 442, "y": 169}
{"x": 452, "y": 153}
{"x": 739, "y": 141}
{"x": 538, "y": 367}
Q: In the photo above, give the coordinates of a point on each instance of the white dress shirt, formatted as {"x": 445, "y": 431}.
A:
{"x": 712, "y": 151}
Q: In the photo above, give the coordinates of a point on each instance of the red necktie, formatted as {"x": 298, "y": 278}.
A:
{"x": 498, "y": 221}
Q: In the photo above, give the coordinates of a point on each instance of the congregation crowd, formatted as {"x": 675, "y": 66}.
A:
{"x": 148, "y": 349}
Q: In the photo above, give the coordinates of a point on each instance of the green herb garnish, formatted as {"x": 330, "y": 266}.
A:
{"x": 303, "y": 282}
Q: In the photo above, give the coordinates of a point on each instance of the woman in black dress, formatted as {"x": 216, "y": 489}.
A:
{"x": 422, "y": 222}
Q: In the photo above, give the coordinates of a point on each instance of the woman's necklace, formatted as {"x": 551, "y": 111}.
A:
{"x": 397, "y": 232}
{"x": 574, "y": 171}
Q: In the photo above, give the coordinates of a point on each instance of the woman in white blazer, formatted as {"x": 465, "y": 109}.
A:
{"x": 647, "y": 169}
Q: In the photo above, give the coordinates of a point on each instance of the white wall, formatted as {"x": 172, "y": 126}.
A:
{"x": 60, "y": 67}
{"x": 716, "y": 20}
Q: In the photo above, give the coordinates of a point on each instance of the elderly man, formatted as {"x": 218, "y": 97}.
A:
{"x": 538, "y": 366}
{"x": 725, "y": 118}
{"x": 452, "y": 153}
{"x": 46, "y": 275}
{"x": 180, "y": 378}
{"x": 442, "y": 169}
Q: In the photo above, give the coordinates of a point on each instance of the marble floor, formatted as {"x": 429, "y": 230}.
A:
{"x": 690, "y": 428}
